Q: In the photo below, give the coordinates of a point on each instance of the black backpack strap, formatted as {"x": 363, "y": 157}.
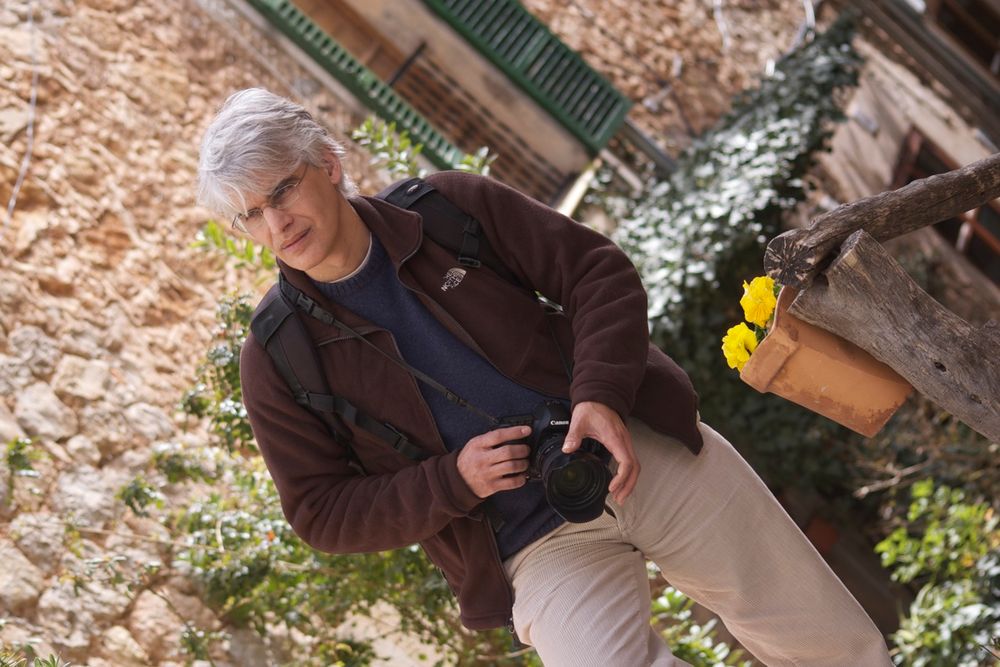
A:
{"x": 448, "y": 225}
{"x": 284, "y": 336}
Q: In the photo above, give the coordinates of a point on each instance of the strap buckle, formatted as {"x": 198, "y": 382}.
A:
{"x": 401, "y": 439}
{"x": 304, "y": 302}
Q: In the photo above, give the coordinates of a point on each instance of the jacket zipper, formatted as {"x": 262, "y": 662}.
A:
{"x": 503, "y": 573}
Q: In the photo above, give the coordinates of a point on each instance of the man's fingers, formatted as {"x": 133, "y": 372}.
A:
{"x": 499, "y": 436}
{"x": 502, "y": 435}
{"x": 517, "y": 466}
{"x": 510, "y": 453}
{"x": 624, "y": 481}
{"x": 621, "y": 477}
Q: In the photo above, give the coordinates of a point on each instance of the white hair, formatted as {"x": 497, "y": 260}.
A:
{"x": 257, "y": 139}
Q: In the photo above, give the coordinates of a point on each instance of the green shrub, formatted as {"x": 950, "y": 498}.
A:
{"x": 952, "y": 548}
{"x": 217, "y": 395}
{"x": 943, "y": 538}
{"x": 688, "y": 641}
{"x": 25, "y": 657}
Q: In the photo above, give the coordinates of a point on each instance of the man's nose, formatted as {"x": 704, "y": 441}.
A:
{"x": 275, "y": 218}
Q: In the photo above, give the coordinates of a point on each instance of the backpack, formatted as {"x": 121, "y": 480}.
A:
{"x": 278, "y": 327}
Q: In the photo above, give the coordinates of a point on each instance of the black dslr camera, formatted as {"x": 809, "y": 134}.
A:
{"x": 575, "y": 484}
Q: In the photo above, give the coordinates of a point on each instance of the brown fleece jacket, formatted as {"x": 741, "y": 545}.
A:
{"x": 400, "y": 501}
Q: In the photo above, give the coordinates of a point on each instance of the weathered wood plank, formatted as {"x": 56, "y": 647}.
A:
{"x": 867, "y": 298}
{"x": 794, "y": 258}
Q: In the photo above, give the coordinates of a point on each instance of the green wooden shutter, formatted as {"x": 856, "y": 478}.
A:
{"x": 554, "y": 75}
{"x": 357, "y": 78}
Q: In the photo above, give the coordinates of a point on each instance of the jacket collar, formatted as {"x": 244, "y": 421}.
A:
{"x": 399, "y": 230}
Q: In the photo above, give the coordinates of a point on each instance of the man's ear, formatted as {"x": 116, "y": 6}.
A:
{"x": 333, "y": 168}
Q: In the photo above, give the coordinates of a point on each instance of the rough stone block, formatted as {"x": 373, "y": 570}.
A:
{"x": 40, "y": 413}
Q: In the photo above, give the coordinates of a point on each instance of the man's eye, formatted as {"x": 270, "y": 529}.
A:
{"x": 253, "y": 215}
{"x": 279, "y": 196}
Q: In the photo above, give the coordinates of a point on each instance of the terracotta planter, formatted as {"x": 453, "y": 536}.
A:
{"x": 824, "y": 373}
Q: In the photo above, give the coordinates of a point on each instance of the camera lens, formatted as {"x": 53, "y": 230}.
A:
{"x": 575, "y": 484}
{"x": 572, "y": 480}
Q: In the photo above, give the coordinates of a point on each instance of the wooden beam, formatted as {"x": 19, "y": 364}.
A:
{"x": 795, "y": 257}
{"x": 865, "y": 297}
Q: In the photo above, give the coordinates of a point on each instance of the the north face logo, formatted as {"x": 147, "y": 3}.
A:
{"x": 452, "y": 278}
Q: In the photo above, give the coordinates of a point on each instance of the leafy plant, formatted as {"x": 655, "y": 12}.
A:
{"x": 178, "y": 463}
{"x": 951, "y": 535}
{"x": 243, "y": 250}
{"x": 139, "y": 494}
{"x": 689, "y": 641}
{"x": 478, "y": 162}
{"x": 26, "y": 657}
{"x": 20, "y": 456}
{"x": 952, "y": 547}
{"x": 217, "y": 394}
{"x": 393, "y": 151}
{"x": 947, "y": 625}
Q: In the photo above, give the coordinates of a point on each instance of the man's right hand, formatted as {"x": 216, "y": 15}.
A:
{"x": 489, "y": 465}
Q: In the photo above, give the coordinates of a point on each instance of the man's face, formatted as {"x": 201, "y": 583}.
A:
{"x": 300, "y": 220}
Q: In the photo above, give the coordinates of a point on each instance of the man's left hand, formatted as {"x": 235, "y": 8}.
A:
{"x": 598, "y": 421}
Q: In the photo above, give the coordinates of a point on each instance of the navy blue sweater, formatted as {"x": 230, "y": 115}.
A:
{"x": 375, "y": 293}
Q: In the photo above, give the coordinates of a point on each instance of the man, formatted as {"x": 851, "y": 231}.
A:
{"x": 577, "y": 592}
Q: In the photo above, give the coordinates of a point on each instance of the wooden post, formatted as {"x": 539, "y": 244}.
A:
{"x": 867, "y": 298}
{"x": 795, "y": 257}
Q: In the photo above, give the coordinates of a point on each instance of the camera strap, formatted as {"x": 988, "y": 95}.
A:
{"x": 314, "y": 310}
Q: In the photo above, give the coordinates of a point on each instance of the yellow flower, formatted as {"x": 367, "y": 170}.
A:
{"x": 738, "y": 344}
{"x": 758, "y": 300}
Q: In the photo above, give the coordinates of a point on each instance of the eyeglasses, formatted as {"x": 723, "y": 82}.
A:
{"x": 284, "y": 195}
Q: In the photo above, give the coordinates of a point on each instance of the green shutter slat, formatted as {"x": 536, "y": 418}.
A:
{"x": 594, "y": 105}
{"x": 511, "y": 37}
{"x": 575, "y": 101}
{"x": 546, "y": 69}
{"x": 485, "y": 20}
{"x": 499, "y": 32}
{"x": 568, "y": 82}
{"x": 535, "y": 42}
{"x": 589, "y": 105}
{"x": 470, "y": 10}
{"x": 357, "y": 78}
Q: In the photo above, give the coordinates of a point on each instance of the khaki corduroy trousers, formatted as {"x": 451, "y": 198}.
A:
{"x": 720, "y": 537}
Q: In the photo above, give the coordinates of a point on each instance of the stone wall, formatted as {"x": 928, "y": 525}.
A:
{"x": 672, "y": 59}
{"x": 105, "y": 308}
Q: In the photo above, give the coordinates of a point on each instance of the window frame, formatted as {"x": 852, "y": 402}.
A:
{"x": 907, "y": 170}
{"x": 932, "y": 12}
